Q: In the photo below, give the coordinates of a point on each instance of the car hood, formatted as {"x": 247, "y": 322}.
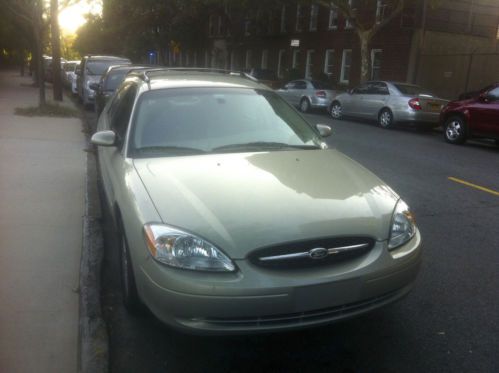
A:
{"x": 244, "y": 201}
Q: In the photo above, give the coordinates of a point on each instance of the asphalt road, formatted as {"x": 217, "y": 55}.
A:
{"x": 448, "y": 323}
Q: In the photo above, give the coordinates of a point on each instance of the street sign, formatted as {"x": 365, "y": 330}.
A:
{"x": 295, "y": 42}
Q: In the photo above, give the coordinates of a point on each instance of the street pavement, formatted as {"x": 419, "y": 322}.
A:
{"x": 448, "y": 323}
{"x": 42, "y": 173}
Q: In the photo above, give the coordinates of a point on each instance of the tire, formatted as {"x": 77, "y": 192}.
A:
{"x": 335, "y": 110}
{"x": 455, "y": 130}
{"x": 304, "y": 105}
{"x": 385, "y": 119}
{"x": 129, "y": 292}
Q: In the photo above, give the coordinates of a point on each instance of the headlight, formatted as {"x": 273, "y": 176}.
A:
{"x": 180, "y": 249}
{"x": 403, "y": 226}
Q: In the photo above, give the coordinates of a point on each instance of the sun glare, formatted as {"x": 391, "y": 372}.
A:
{"x": 71, "y": 18}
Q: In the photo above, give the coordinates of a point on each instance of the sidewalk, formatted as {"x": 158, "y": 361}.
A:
{"x": 42, "y": 175}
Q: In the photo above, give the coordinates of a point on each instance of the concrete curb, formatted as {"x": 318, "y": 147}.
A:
{"x": 93, "y": 342}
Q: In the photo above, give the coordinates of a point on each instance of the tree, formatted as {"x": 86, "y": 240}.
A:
{"x": 56, "y": 50}
{"x": 367, "y": 28}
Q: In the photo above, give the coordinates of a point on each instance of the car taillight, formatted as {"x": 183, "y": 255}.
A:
{"x": 320, "y": 94}
{"x": 415, "y": 104}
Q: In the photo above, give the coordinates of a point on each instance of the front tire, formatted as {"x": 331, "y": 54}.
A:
{"x": 304, "y": 105}
{"x": 455, "y": 130}
{"x": 385, "y": 118}
{"x": 335, "y": 110}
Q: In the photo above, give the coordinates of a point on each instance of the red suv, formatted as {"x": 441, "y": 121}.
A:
{"x": 474, "y": 117}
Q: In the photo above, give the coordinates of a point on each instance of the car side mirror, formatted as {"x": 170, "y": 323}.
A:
{"x": 104, "y": 138}
{"x": 324, "y": 130}
{"x": 94, "y": 86}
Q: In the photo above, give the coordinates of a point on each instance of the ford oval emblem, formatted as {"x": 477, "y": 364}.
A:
{"x": 318, "y": 253}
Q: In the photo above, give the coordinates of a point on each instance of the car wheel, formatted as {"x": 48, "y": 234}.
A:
{"x": 335, "y": 110}
{"x": 304, "y": 105}
{"x": 455, "y": 130}
{"x": 385, "y": 118}
{"x": 129, "y": 292}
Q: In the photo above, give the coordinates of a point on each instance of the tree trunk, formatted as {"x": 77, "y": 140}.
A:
{"x": 56, "y": 50}
{"x": 38, "y": 43}
{"x": 365, "y": 58}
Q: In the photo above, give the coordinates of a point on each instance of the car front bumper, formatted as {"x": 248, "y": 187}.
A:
{"x": 254, "y": 299}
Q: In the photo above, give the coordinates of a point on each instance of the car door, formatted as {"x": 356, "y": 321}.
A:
{"x": 485, "y": 114}
{"x": 374, "y": 100}
{"x": 112, "y": 158}
{"x": 285, "y": 92}
{"x": 352, "y": 104}
{"x": 299, "y": 89}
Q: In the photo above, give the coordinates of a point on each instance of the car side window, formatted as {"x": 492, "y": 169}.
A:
{"x": 493, "y": 95}
{"x": 378, "y": 88}
{"x": 300, "y": 84}
{"x": 121, "y": 109}
{"x": 361, "y": 89}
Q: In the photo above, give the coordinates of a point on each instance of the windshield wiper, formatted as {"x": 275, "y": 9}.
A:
{"x": 263, "y": 145}
{"x": 170, "y": 149}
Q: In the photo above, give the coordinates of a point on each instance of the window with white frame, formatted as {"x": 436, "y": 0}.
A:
{"x": 309, "y": 64}
{"x": 328, "y": 62}
{"x": 280, "y": 62}
{"x": 296, "y": 59}
{"x": 333, "y": 17}
{"x": 375, "y": 63}
{"x": 265, "y": 59}
{"x": 283, "y": 18}
{"x": 299, "y": 18}
{"x": 348, "y": 24}
{"x": 314, "y": 14}
{"x": 346, "y": 64}
{"x": 247, "y": 63}
{"x": 380, "y": 11}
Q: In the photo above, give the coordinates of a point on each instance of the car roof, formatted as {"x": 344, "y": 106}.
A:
{"x": 106, "y": 58}
{"x": 179, "y": 78}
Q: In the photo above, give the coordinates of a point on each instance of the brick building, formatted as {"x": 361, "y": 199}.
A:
{"x": 297, "y": 40}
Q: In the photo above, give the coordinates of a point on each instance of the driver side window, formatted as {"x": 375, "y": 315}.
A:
{"x": 120, "y": 110}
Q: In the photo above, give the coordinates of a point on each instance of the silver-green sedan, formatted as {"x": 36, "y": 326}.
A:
{"x": 233, "y": 216}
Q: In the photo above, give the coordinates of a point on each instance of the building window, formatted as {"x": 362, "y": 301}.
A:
{"x": 280, "y": 62}
{"x": 380, "y": 11}
{"x": 348, "y": 24}
{"x": 187, "y": 58}
{"x": 328, "y": 62}
{"x": 375, "y": 63}
{"x": 309, "y": 64}
{"x": 283, "y": 18}
{"x": 247, "y": 63}
{"x": 195, "y": 59}
{"x": 206, "y": 58}
{"x": 265, "y": 59}
{"x": 299, "y": 18}
{"x": 296, "y": 59}
{"x": 333, "y": 17}
{"x": 314, "y": 13}
{"x": 220, "y": 26}
{"x": 346, "y": 63}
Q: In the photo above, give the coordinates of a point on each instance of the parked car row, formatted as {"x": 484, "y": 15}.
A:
{"x": 392, "y": 103}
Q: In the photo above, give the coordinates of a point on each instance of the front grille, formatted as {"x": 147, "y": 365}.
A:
{"x": 326, "y": 314}
{"x": 311, "y": 253}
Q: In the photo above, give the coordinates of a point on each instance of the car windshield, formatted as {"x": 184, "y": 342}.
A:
{"x": 100, "y": 67}
{"x": 183, "y": 121}
{"x": 321, "y": 85}
{"x": 114, "y": 79}
{"x": 412, "y": 90}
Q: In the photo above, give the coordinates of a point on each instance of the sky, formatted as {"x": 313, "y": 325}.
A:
{"x": 73, "y": 17}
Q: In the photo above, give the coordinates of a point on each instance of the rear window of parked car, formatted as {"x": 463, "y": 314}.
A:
{"x": 100, "y": 67}
{"x": 412, "y": 90}
{"x": 321, "y": 85}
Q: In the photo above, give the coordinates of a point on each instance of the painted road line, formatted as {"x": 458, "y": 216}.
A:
{"x": 483, "y": 189}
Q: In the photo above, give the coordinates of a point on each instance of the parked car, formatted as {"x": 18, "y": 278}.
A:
{"x": 232, "y": 214}
{"x": 475, "y": 117}
{"x": 91, "y": 70}
{"x": 265, "y": 76}
{"x": 389, "y": 103}
{"x": 69, "y": 74}
{"x": 109, "y": 82}
{"x": 308, "y": 94}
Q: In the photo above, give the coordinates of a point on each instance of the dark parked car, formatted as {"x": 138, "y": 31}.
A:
{"x": 474, "y": 117}
{"x": 474, "y": 94}
{"x": 109, "y": 82}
